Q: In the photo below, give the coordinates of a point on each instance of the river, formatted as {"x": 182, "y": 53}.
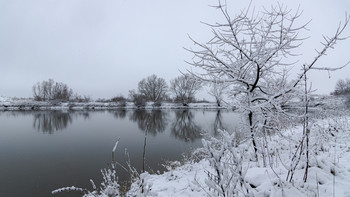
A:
{"x": 41, "y": 151}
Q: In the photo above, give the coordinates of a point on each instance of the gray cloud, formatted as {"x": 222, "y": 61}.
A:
{"x": 103, "y": 48}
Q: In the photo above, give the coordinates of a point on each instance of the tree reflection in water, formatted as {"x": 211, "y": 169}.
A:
{"x": 86, "y": 115}
{"x": 50, "y": 122}
{"x": 184, "y": 128}
{"x": 154, "y": 121}
{"x": 119, "y": 113}
{"x": 218, "y": 124}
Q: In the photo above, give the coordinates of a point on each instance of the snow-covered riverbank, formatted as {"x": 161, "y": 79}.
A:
{"x": 29, "y": 104}
{"x": 329, "y": 169}
{"x": 7, "y": 103}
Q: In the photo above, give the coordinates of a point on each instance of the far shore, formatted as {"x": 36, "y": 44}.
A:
{"x": 29, "y": 104}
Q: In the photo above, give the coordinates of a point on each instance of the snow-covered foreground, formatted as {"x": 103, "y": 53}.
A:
{"x": 329, "y": 172}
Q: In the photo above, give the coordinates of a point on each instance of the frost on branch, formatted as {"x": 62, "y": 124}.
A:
{"x": 109, "y": 186}
{"x": 68, "y": 189}
{"x": 226, "y": 159}
{"x": 252, "y": 53}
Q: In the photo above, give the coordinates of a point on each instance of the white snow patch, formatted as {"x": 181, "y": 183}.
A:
{"x": 334, "y": 159}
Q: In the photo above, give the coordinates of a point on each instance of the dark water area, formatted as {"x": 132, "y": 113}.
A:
{"x": 41, "y": 151}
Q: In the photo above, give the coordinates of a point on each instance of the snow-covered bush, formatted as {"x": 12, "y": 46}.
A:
{"x": 140, "y": 187}
{"x": 226, "y": 158}
{"x": 109, "y": 187}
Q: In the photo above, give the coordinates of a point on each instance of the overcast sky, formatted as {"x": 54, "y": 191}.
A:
{"x": 102, "y": 48}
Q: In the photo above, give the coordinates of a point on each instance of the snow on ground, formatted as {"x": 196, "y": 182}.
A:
{"x": 329, "y": 170}
{"x": 182, "y": 181}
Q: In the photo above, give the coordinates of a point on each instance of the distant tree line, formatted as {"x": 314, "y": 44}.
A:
{"x": 154, "y": 89}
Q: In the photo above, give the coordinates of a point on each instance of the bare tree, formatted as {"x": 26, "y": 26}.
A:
{"x": 184, "y": 88}
{"x": 252, "y": 52}
{"x": 217, "y": 90}
{"x": 43, "y": 90}
{"x": 51, "y": 90}
{"x": 61, "y": 91}
{"x": 153, "y": 88}
{"x": 342, "y": 87}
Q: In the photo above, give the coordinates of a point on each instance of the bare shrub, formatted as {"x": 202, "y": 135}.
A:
{"x": 81, "y": 99}
{"x": 121, "y": 100}
{"x": 118, "y": 99}
{"x": 138, "y": 99}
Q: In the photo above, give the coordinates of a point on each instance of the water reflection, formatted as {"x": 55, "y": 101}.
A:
{"x": 184, "y": 127}
{"x": 119, "y": 114}
{"x": 50, "y": 122}
{"x": 16, "y": 114}
{"x": 154, "y": 121}
{"x": 218, "y": 124}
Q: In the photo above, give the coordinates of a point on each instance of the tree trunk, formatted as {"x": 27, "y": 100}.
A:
{"x": 252, "y": 134}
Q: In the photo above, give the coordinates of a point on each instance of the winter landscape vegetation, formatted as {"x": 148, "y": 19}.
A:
{"x": 262, "y": 129}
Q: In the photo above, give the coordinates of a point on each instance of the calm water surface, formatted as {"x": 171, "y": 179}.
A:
{"x": 41, "y": 151}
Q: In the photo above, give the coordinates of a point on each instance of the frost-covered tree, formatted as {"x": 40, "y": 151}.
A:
{"x": 153, "y": 88}
{"x": 217, "y": 90}
{"x": 252, "y": 52}
{"x": 184, "y": 88}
